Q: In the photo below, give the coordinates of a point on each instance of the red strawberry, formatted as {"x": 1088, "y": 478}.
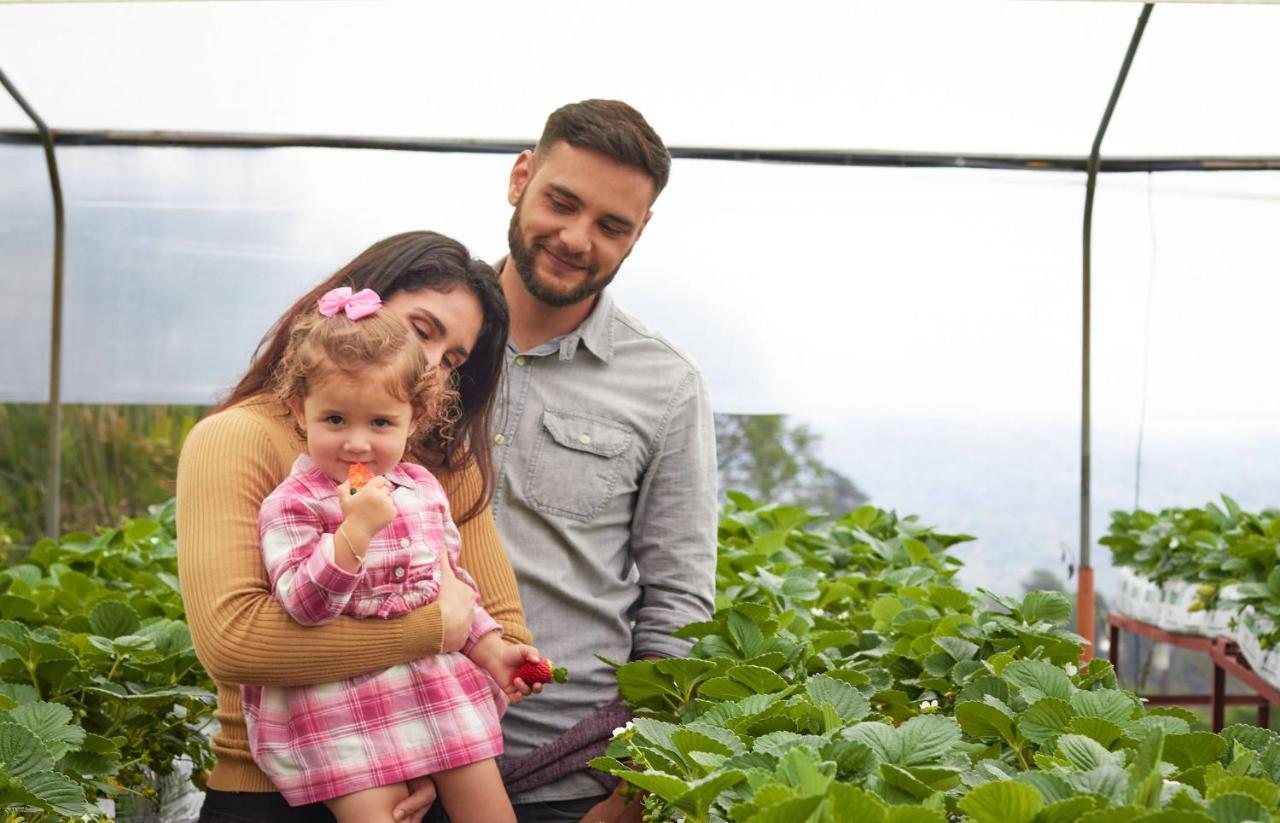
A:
{"x": 358, "y": 475}
{"x": 541, "y": 672}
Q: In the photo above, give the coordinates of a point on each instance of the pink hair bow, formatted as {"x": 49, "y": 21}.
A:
{"x": 361, "y": 304}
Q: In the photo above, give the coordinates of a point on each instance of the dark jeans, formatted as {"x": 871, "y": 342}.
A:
{"x": 258, "y": 807}
{"x": 551, "y": 811}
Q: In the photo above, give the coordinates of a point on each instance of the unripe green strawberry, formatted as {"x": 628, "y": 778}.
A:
{"x": 1206, "y": 590}
{"x": 541, "y": 672}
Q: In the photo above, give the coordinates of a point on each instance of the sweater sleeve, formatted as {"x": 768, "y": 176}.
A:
{"x": 229, "y": 464}
{"x": 483, "y": 556}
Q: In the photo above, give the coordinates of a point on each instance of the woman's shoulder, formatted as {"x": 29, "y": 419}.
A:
{"x": 256, "y": 428}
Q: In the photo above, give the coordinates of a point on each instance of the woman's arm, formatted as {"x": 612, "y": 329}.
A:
{"x": 229, "y": 464}
{"x": 483, "y": 556}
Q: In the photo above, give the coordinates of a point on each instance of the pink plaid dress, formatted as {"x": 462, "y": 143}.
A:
{"x": 440, "y": 712}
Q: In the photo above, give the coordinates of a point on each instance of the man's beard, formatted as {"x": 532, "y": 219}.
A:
{"x": 523, "y": 258}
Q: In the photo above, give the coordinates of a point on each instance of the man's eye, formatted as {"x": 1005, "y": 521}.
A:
{"x": 560, "y": 205}
{"x": 612, "y": 231}
{"x": 333, "y": 420}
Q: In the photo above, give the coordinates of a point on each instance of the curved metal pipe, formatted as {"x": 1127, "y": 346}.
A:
{"x": 53, "y": 494}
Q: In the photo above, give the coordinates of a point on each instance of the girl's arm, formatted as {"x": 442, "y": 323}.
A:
{"x": 300, "y": 560}
{"x": 231, "y": 461}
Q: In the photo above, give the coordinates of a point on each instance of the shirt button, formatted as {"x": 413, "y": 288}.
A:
{"x": 584, "y": 439}
{"x": 520, "y": 360}
{"x": 404, "y": 542}
{"x": 499, "y": 439}
{"x": 399, "y": 571}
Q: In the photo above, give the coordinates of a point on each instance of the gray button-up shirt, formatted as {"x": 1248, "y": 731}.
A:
{"x": 606, "y": 502}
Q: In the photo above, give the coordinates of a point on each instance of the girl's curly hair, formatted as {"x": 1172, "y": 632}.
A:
{"x": 321, "y": 348}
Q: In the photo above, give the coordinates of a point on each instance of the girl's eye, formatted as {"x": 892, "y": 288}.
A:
{"x": 334, "y": 420}
{"x": 381, "y": 423}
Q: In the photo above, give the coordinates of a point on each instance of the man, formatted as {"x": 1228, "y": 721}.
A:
{"x": 604, "y": 447}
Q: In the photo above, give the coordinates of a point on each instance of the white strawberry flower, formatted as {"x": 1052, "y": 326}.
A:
{"x": 1071, "y": 669}
{"x": 624, "y": 729}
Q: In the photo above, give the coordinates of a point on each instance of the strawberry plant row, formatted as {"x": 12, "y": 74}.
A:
{"x": 845, "y": 676}
{"x": 100, "y": 689}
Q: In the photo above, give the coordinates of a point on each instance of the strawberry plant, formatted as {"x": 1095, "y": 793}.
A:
{"x": 845, "y": 677}
{"x": 100, "y": 689}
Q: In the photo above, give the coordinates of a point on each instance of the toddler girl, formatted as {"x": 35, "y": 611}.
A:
{"x": 360, "y": 387}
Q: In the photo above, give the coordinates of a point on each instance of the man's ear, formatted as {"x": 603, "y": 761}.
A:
{"x": 643, "y": 223}
{"x": 521, "y": 174}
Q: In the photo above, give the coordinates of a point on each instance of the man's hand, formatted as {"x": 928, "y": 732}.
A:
{"x": 615, "y": 809}
{"x": 422, "y": 793}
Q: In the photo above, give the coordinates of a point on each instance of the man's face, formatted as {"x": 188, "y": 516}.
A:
{"x": 578, "y": 215}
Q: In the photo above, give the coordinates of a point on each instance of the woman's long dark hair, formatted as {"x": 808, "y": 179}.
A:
{"x": 411, "y": 262}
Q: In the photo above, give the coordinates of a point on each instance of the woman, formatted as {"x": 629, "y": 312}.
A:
{"x": 237, "y": 455}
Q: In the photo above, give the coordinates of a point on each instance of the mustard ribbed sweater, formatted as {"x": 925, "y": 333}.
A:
{"x": 230, "y": 462}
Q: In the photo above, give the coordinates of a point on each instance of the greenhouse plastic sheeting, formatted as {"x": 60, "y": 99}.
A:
{"x": 993, "y": 76}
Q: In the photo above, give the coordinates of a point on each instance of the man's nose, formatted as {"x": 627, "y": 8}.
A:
{"x": 576, "y": 237}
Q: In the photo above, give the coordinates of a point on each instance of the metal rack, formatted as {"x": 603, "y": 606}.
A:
{"x": 1227, "y": 659}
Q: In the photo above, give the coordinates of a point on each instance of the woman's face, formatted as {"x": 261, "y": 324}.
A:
{"x": 447, "y": 323}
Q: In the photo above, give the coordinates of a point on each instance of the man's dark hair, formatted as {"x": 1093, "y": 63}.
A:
{"x": 614, "y": 129}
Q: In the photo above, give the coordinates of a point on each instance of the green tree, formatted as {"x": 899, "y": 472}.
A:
{"x": 770, "y": 459}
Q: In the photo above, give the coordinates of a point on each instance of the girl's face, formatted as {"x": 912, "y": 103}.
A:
{"x": 354, "y": 421}
{"x": 446, "y": 323}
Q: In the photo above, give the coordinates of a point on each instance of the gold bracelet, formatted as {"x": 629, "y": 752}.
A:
{"x": 351, "y": 548}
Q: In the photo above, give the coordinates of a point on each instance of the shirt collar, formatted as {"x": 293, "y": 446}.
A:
{"x": 320, "y": 486}
{"x": 595, "y": 332}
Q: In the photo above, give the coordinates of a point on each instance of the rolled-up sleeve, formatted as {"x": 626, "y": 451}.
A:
{"x": 673, "y": 533}
{"x": 300, "y": 564}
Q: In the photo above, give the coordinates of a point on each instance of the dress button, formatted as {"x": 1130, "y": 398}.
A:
{"x": 399, "y": 571}
{"x": 499, "y": 439}
{"x": 404, "y": 542}
{"x": 584, "y": 439}
{"x": 520, "y": 360}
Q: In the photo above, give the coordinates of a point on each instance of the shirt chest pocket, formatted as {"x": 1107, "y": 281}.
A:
{"x": 576, "y": 464}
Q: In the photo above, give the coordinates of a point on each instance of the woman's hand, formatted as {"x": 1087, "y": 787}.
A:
{"x": 422, "y": 793}
{"x": 457, "y": 609}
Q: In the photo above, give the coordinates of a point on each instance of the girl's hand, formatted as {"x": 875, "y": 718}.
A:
{"x": 501, "y": 659}
{"x": 457, "y": 608}
{"x": 368, "y": 511}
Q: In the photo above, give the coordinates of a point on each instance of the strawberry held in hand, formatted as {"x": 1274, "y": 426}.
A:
{"x": 541, "y": 672}
{"x": 358, "y": 474}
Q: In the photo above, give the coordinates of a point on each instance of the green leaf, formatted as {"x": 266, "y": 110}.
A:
{"x": 881, "y": 738}
{"x": 666, "y": 786}
{"x": 640, "y": 682}
{"x": 1264, "y": 791}
{"x": 845, "y": 699}
{"x": 1047, "y": 718}
{"x": 1095, "y": 728}
{"x": 1237, "y": 808}
{"x": 1083, "y": 753}
{"x": 779, "y": 743}
{"x": 704, "y": 792}
{"x": 52, "y": 724}
{"x": 957, "y": 648}
{"x": 745, "y": 633}
{"x": 656, "y": 732}
{"x": 795, "y": 810}
{"x": 1038, "y": 679}
{"x": 913, "y": 814}
{"x": 1187, "y": 751}
{"x": 111, "y": 618}
{"x": 1004, "y": 801}
{"x": 927, "y": 738}
{"x": 722, "y": 688}
{"x": 982, "y": 721}
{"x": 1047, "y": 607}
{"x": 759, "y": 680}
{"x": 1067, "y": 811}
{"x": 849, "y": 803}
{"x": 686, "y": 673}
{"x": 1108, "y": 704}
